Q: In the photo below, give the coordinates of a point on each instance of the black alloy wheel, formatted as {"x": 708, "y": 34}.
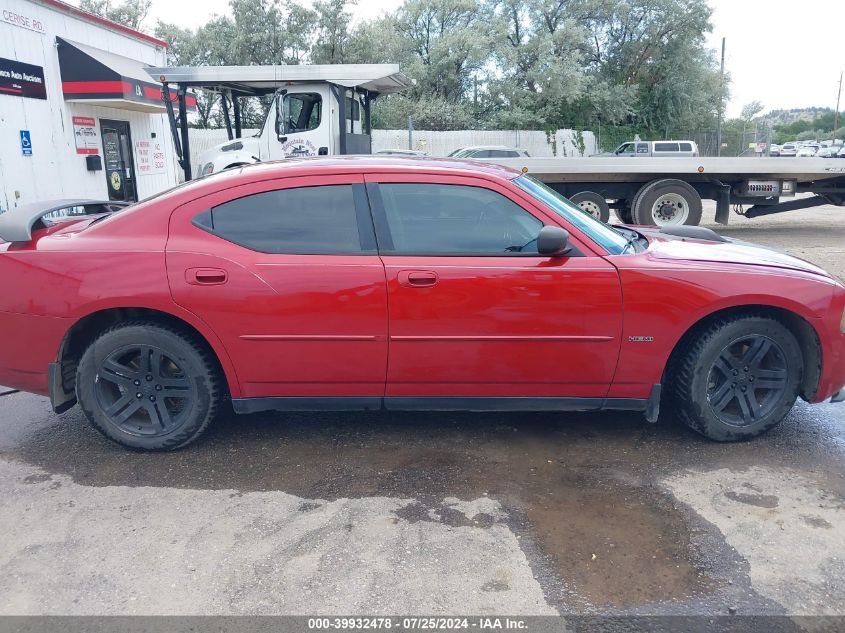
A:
{"x": 735, "y": 377}
{"x": 747, "y": 380}
{"x": 143, "y": 391}
{"x": 149, "y": 385}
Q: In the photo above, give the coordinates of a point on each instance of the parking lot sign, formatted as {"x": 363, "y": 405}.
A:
{"x": 26, "y": 143}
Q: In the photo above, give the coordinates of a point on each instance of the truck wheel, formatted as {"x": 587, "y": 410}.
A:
{"x": 592, "y": 203}
{"x": 667, "y": 203}
{"x": 148, "y": 386}
{"x": 738, "y": 378}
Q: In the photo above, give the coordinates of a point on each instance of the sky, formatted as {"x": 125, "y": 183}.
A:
{"x": 784, "y": 53}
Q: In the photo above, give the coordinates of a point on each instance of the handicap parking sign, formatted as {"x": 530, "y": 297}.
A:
{"x": 26, "y": 143}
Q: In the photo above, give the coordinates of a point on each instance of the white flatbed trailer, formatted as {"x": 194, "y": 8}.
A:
{"x": 670, "y": 190}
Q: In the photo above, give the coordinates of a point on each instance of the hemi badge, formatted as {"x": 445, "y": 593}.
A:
{"x": 641, "y": 339}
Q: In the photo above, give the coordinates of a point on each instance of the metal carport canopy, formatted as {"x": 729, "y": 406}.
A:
{"x": 257, "y": 80}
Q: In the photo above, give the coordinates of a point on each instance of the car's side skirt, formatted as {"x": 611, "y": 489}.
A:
{"x": 436, "y": 403}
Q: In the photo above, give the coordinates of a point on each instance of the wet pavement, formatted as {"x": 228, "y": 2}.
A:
{"x": 432, "y": 513}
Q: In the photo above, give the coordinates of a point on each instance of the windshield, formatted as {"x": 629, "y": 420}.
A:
{"x": 602, "y": 234}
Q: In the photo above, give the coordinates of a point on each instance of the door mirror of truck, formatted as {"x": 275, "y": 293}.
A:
{"x": 281, "y": 118}
{"x": 553, "y": 241}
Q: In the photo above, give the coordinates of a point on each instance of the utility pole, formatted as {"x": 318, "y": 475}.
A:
{"x": 721, "y": 102}
{"x": 836, "y": 113}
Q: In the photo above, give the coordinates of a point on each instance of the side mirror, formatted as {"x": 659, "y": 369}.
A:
{"x": 281, "y": 118}
{"x": 553, "y": 241}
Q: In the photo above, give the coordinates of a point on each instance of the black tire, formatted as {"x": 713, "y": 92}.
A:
{"x": 712, "y": 394}
{"x": 624, "y": 214}
{"x": 593, "y": 203}
{"x": 162, "y": 386}
{"x": 687, "y": 205}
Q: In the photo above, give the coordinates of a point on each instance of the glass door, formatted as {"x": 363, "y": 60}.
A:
{"x": 117, "y": 155}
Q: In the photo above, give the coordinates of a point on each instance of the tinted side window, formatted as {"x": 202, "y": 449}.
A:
{"x": 642, "y": 148}
{"x": 665, "y": 147}
{"x": 305, "y": 220}
{"x": 456, "y": 220}
{"x": 503, "y": 153}
{"x": 686, "y": 147}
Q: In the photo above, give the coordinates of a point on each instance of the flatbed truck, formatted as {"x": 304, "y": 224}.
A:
{"x": 325, "y": 110}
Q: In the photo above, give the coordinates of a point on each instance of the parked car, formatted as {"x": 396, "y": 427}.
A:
{"x": 841, "y": 153}
{"x": 491, "y": 151}
{"x": 403, "y": 284}
{"x": 789, "y": 149}
{"x": 400, "y": 152}
{"x": 806, "y": 151}
{"x": 774, "y": 150}
{"x": 828, "y": 152}
{"x": 655, "y": 149}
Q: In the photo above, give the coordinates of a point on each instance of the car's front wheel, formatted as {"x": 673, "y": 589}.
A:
{"x": 737, "y": 378}
{"x": 148, "y": 386}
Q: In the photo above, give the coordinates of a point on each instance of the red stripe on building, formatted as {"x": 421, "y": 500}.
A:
{"x": 84, "y": 87}
{"x": 155, "y": 93}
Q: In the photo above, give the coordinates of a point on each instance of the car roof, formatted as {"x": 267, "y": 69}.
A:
{"x": 477, "y": 147}
{"x": 315, "y": 166}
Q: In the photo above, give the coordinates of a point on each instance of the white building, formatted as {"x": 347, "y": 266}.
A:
{"x": 79, "y": 117}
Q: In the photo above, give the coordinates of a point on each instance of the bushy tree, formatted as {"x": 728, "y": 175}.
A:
{"x": 637, "y": 64}
{"x": 130, "y": 13}
{"x": 333, "y": 31}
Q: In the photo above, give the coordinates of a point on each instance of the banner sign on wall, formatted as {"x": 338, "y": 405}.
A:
{"x": 86, "y": 135}
{"x": 21, "y": 80}
{"x": 149, "y": 156}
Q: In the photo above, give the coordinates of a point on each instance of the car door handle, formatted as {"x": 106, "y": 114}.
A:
{"x": 206, "y": 276}
{"x": 417, "y": 278}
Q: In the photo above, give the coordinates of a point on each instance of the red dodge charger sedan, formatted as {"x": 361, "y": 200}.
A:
{"x": 401, "y": 283}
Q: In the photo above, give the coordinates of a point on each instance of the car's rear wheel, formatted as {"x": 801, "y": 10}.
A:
{"x": 148, "y": 386}
{"x": 738, "y": 378}
{"x": 592, "y": 203}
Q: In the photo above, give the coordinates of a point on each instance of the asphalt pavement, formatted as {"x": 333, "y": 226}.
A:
{"x": 391, "y": 513}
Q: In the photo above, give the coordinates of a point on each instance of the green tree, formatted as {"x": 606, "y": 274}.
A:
{"x": 639, "y": 65}
{"x": 129, "y": 13}
{"x": 333, "y": 31}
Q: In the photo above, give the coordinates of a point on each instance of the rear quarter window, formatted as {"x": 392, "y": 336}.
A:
{"x": 686, "y": 147}
{"x": 318, "y": 220}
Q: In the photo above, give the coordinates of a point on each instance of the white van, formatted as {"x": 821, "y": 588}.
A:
{"x": 657, "y": 149}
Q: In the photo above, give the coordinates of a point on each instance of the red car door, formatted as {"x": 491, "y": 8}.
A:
{"x": 287, "y": 274}
{"x": 472, "y": 315}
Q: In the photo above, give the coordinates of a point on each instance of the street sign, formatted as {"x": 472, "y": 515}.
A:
{"x": 26, "y": 143}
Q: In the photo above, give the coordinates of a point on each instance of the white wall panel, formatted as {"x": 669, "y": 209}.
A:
{"x": 55, "y": 169}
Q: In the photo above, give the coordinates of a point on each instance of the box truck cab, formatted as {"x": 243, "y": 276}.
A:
{"x": 314, "y": 110}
